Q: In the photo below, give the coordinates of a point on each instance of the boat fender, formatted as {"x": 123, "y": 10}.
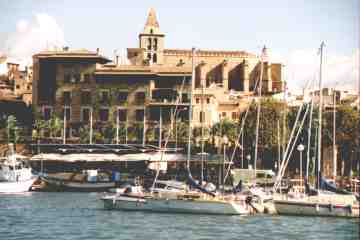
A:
{"x": 350, "y": 208}
{"x": 330, "y": 207}
{"x": 248, "y": 199}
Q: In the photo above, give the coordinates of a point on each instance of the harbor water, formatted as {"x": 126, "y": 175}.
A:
{"x": 41, "y": 215}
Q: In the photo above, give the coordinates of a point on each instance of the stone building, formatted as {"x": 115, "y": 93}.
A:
{"x": 154, "y": 83}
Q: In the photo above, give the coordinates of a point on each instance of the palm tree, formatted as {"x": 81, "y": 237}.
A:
{"x": 55, "y": 126}
{"x": 11, "y": 125}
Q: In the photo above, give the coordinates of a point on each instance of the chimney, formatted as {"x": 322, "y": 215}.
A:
{"x": 117, "y": 60}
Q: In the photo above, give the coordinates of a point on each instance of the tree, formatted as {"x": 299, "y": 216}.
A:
{"x": 11, "y": 126}
{"x": 55, "y": 125}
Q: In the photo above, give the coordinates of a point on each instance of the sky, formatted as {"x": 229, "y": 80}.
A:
{"x": 292, "y": 30}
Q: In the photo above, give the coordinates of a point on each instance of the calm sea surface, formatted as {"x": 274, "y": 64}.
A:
{"x": 80, "y": 216}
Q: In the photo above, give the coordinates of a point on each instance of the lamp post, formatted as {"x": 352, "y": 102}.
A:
{"x": 248, "y": 158}
{"x": 225, "y": 142}
{"x": 300, "y": 148}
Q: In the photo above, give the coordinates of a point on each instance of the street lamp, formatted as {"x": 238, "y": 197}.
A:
{"x": 248, "y": 158}
{"x": 300, "y": 148}
{"x": 225, "y": 142}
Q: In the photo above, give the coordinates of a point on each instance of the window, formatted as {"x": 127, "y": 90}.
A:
{"x": 104, "y": 97}
{"x": 149, "y": 56}
{"x": 208, "y": 100}
{"x": 67, "y": 97}
{"x": 67, "y": 78}
{"x": 87, "y": 78}
{"x": 17, "y": 86}
{"x": 151, "y": 31}
{"x": 234, "y": 115}
{"x": 155, "y": 44}
{"x": 154, "y": 58}
{"x": 67, "y": 113}
{"x": 85, "y": 114}
{"x": 77, "y": 77}
{"x": 104, "y": 114}
{"x": 149, "y": 44}
{"x": 47, "y": 111}
{"x": 140, "y": 97}
{"x": 223, "y": 114}
{"x": 184, "y": 98}
{"x": 85, "y": 97}
{"x": 122, "y": 114}
{"x": 197, "y": 100}
{"x": 202, "y": 116}
{"x": 140, "y": 115}
{"x": 122, "y": 96}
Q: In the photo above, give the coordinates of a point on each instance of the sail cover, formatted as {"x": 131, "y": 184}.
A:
{"x": 196, "y": 185}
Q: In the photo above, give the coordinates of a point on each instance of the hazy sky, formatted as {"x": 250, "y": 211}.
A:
{"x": 293, "y": 30}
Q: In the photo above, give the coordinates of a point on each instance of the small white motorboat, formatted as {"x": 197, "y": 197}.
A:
{"x": 15, "y": 175}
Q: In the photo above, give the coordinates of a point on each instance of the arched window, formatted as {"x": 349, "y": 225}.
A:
{"x": 154, "y": 58}
{"x": 151, "y": 31}
{"x": 149, "y": 44}
{"x": 149, "y": 56}
{"x": 155, "y": 44}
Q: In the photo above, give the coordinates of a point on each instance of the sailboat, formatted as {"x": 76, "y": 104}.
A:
{"x": 319, "y": 202}
{"x": 201, "y": 202}
{"x": 15, "y": 176}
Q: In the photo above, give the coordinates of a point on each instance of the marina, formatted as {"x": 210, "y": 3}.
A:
{"x": 41, "y": 215}
{"x": 255, "y": 138}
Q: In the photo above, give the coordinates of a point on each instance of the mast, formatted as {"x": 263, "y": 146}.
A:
{"x": 91, "y": 125}
{"x": 320, "y": 110}
{"x": 190, "y": 107}
{"x": 258, "y": 110}
{"x": 64, "y": 137}
{"x": 144, "y": 128}
{"x": 117, "y": 127}
{"x": 160, "y": 128}
{"x": 308, "y": 156}
{"x": 334, "y": 135}
{"x": 202, "y": 130}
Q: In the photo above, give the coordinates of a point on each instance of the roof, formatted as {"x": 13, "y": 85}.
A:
{"x": 209, "y": 53}
{"x": 151, "y": 19}
{"x": 144, "y": 70}
{"x": 72, "y": 54}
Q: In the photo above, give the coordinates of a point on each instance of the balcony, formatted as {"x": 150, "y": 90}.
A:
{"x": 168, "y": 96}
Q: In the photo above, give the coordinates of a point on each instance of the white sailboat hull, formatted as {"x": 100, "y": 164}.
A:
{"x": 307, "y": 208}
{"x": 175, "y": 205}
{"x": 17, "y": 187}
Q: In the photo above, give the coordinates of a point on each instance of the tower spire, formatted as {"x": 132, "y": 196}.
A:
{"x": 151, "y": 19}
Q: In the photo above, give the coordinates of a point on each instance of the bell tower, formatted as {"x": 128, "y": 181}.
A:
{"x": 152, "y": 40}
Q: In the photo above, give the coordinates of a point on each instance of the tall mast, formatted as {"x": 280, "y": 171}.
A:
{"x": 117, "y": 126}
{"x": 202, "y": 130}
{"x": 64, "y": 137}
{"x": 320, "y": 110}
{"x": 258, "y": 109}
{"x": 334, "y": 135}
{"x": 91, "y": 125}
{"x": 190, "y": 107}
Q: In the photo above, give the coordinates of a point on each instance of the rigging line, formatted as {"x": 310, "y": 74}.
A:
{"x": 168, "y": 135}
{"x": 243, "y": 120}
{"x": 278, "y": 178}
{"x": 294, "y": 142}
{"x": 309, "y": 131}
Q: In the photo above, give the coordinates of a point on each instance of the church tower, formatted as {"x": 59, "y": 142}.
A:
{"x": 152, "y": 40}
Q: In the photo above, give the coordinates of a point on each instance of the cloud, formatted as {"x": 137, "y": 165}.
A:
{"x": 302, "y": 66}
{"x": 40, "y": 33}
